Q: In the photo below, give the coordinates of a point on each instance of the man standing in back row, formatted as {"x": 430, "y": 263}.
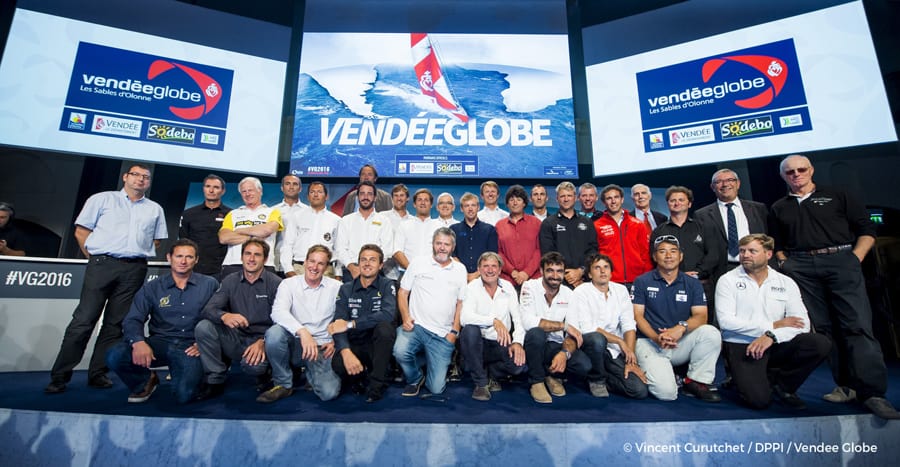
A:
{"x": 821, "y": 237}
{"x": 117, "y": 231}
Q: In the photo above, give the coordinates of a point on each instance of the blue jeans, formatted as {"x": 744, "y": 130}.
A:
{"x": 283, "y": 350}
{"x": 186, "y": 370}
{"x": 438, "y": 352}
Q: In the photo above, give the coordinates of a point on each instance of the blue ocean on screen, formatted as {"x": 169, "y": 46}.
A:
{"x": 355, "y": 115}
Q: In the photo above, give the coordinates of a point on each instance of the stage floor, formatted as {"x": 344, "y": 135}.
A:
{"x": 86, "y": 426}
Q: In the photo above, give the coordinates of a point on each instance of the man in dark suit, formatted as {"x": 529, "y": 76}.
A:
{"x": 382, "y": 198}
{"x": 730, "y": 218}
{"x": 641, "y": 196}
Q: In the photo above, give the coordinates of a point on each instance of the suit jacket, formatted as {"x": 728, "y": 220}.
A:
{"x": 757, "y": 220}
{"x": 382, "y": 202}
{"x": 658, "y": 217}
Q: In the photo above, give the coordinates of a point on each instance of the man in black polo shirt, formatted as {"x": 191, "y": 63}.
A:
{"x": 697, "y": 240}
{"x": 568, "y": 233}
{"x": 236, "y": 319}
{"x": 201, "y": 223}
{"x": 821, "y": 237}
{"x": 363, "y": 327}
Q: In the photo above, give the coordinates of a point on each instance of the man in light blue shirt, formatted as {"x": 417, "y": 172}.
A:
{"x": 117, "y": 231}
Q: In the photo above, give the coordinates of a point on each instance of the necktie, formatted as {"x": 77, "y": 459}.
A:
{"x": 732, "y": 231}
{"x": 647, "y": 219}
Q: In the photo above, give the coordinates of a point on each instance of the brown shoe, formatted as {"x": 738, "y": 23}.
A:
{"x": 277, "y": 393}
{"x": 481, "y": 393}
{"x": 149, "y": 388}
{"x": 539, "y": 393}
{"x": 555, "y": 386}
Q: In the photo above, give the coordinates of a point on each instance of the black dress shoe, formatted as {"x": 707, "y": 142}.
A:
{"x": 789, "y": 399}
{"x": 701, "y": 391}
{"x": 55, "y": 387}
{"x": 100, "y": 382}
{"x": 209, "y": 391}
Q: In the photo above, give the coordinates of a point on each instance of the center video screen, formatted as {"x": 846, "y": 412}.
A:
{"x": 434, "y": 104}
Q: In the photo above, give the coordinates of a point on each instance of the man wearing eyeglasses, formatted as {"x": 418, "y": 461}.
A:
{"x": 117, "y": 231}
{"x": 730, "y": 218}
{"x": 821, "y": 237}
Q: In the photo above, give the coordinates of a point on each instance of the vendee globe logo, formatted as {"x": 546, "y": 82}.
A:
{"x": 211, "y": 94}
{"x": 773, "y": 69}
{"x": 151, "y": 87}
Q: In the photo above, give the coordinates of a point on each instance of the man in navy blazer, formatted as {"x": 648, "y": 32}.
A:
{"x": 750, "y": 217}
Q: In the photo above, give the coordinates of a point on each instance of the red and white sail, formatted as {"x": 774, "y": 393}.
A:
{"x": 431, "y": 78}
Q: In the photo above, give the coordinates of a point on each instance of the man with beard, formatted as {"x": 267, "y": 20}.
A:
{"x": 764, "y": 324}
{"x": 359, "y": 228}
{"x": 430, "y": 300}
{"x": 549, "y": 342}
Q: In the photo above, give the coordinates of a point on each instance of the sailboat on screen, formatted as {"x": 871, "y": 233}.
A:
{"x": 431, "y": 78}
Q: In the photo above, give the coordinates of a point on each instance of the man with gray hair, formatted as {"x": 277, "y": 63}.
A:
{"x": 252, "y": 220}
{"x": 445, "y": 208}
{"x": 570, "y": 234}
{"x": 492, "y": 332}
{"x": 730, "y": 218}
{"x": 821, "y": 237}
{"x": 430, "y": 300}
{"x": 587, "y": 196}
{"x": 641, "y": 196}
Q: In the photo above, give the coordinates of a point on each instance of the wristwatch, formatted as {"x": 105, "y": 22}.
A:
{"x": 685, "y": 324}
{"x": 454, "y": 332}
{"x": 567, "y": 354}
{"x": 771, "y": 335}
{"x": 351, "y": 324}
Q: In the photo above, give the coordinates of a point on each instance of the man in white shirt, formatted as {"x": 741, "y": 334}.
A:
{"x": 549, "y": 342}
{"x": 252, "y": 220}
{"x": 315, "y": 225}
{"x": 413, "y": 237}
{"x": 359, "y": 228}
{"x": 490, "y": 195}
{"x": 430, "y": 300}
{"x": 765, "y": 328}
{"x": 445, "y": 208}
{"x": 539, "y": 201}
{"x": 492, "y": 332}
{"x": 397, "y": 215}
{"x": 603, "y": 312}
{"x": 303, "y": 308}
{"x": 289, "y": 207}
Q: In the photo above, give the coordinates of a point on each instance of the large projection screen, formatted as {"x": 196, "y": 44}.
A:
{"x": 459, "y": 89}
{"x": 767, "y": 78}
{"x": 141, "y": 80}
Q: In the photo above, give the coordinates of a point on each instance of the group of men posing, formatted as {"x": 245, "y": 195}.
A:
{"x": 613, "y": 298}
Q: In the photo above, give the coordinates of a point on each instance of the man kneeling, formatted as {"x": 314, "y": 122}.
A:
{"x": 765, "y": 327}
{"x": 303, "y": 308}
{"x": 492, "y": 332}
{"x": 173, "y": 304}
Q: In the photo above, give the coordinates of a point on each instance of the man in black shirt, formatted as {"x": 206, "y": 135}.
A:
{"x": 363, "y": 327}
{"x": 236, "y": 319}
{"x": 568, "y": 233}
{"x": 201, "y": 223}
{"x": 822, "y": 236}
{"x": 697, "y": 240}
